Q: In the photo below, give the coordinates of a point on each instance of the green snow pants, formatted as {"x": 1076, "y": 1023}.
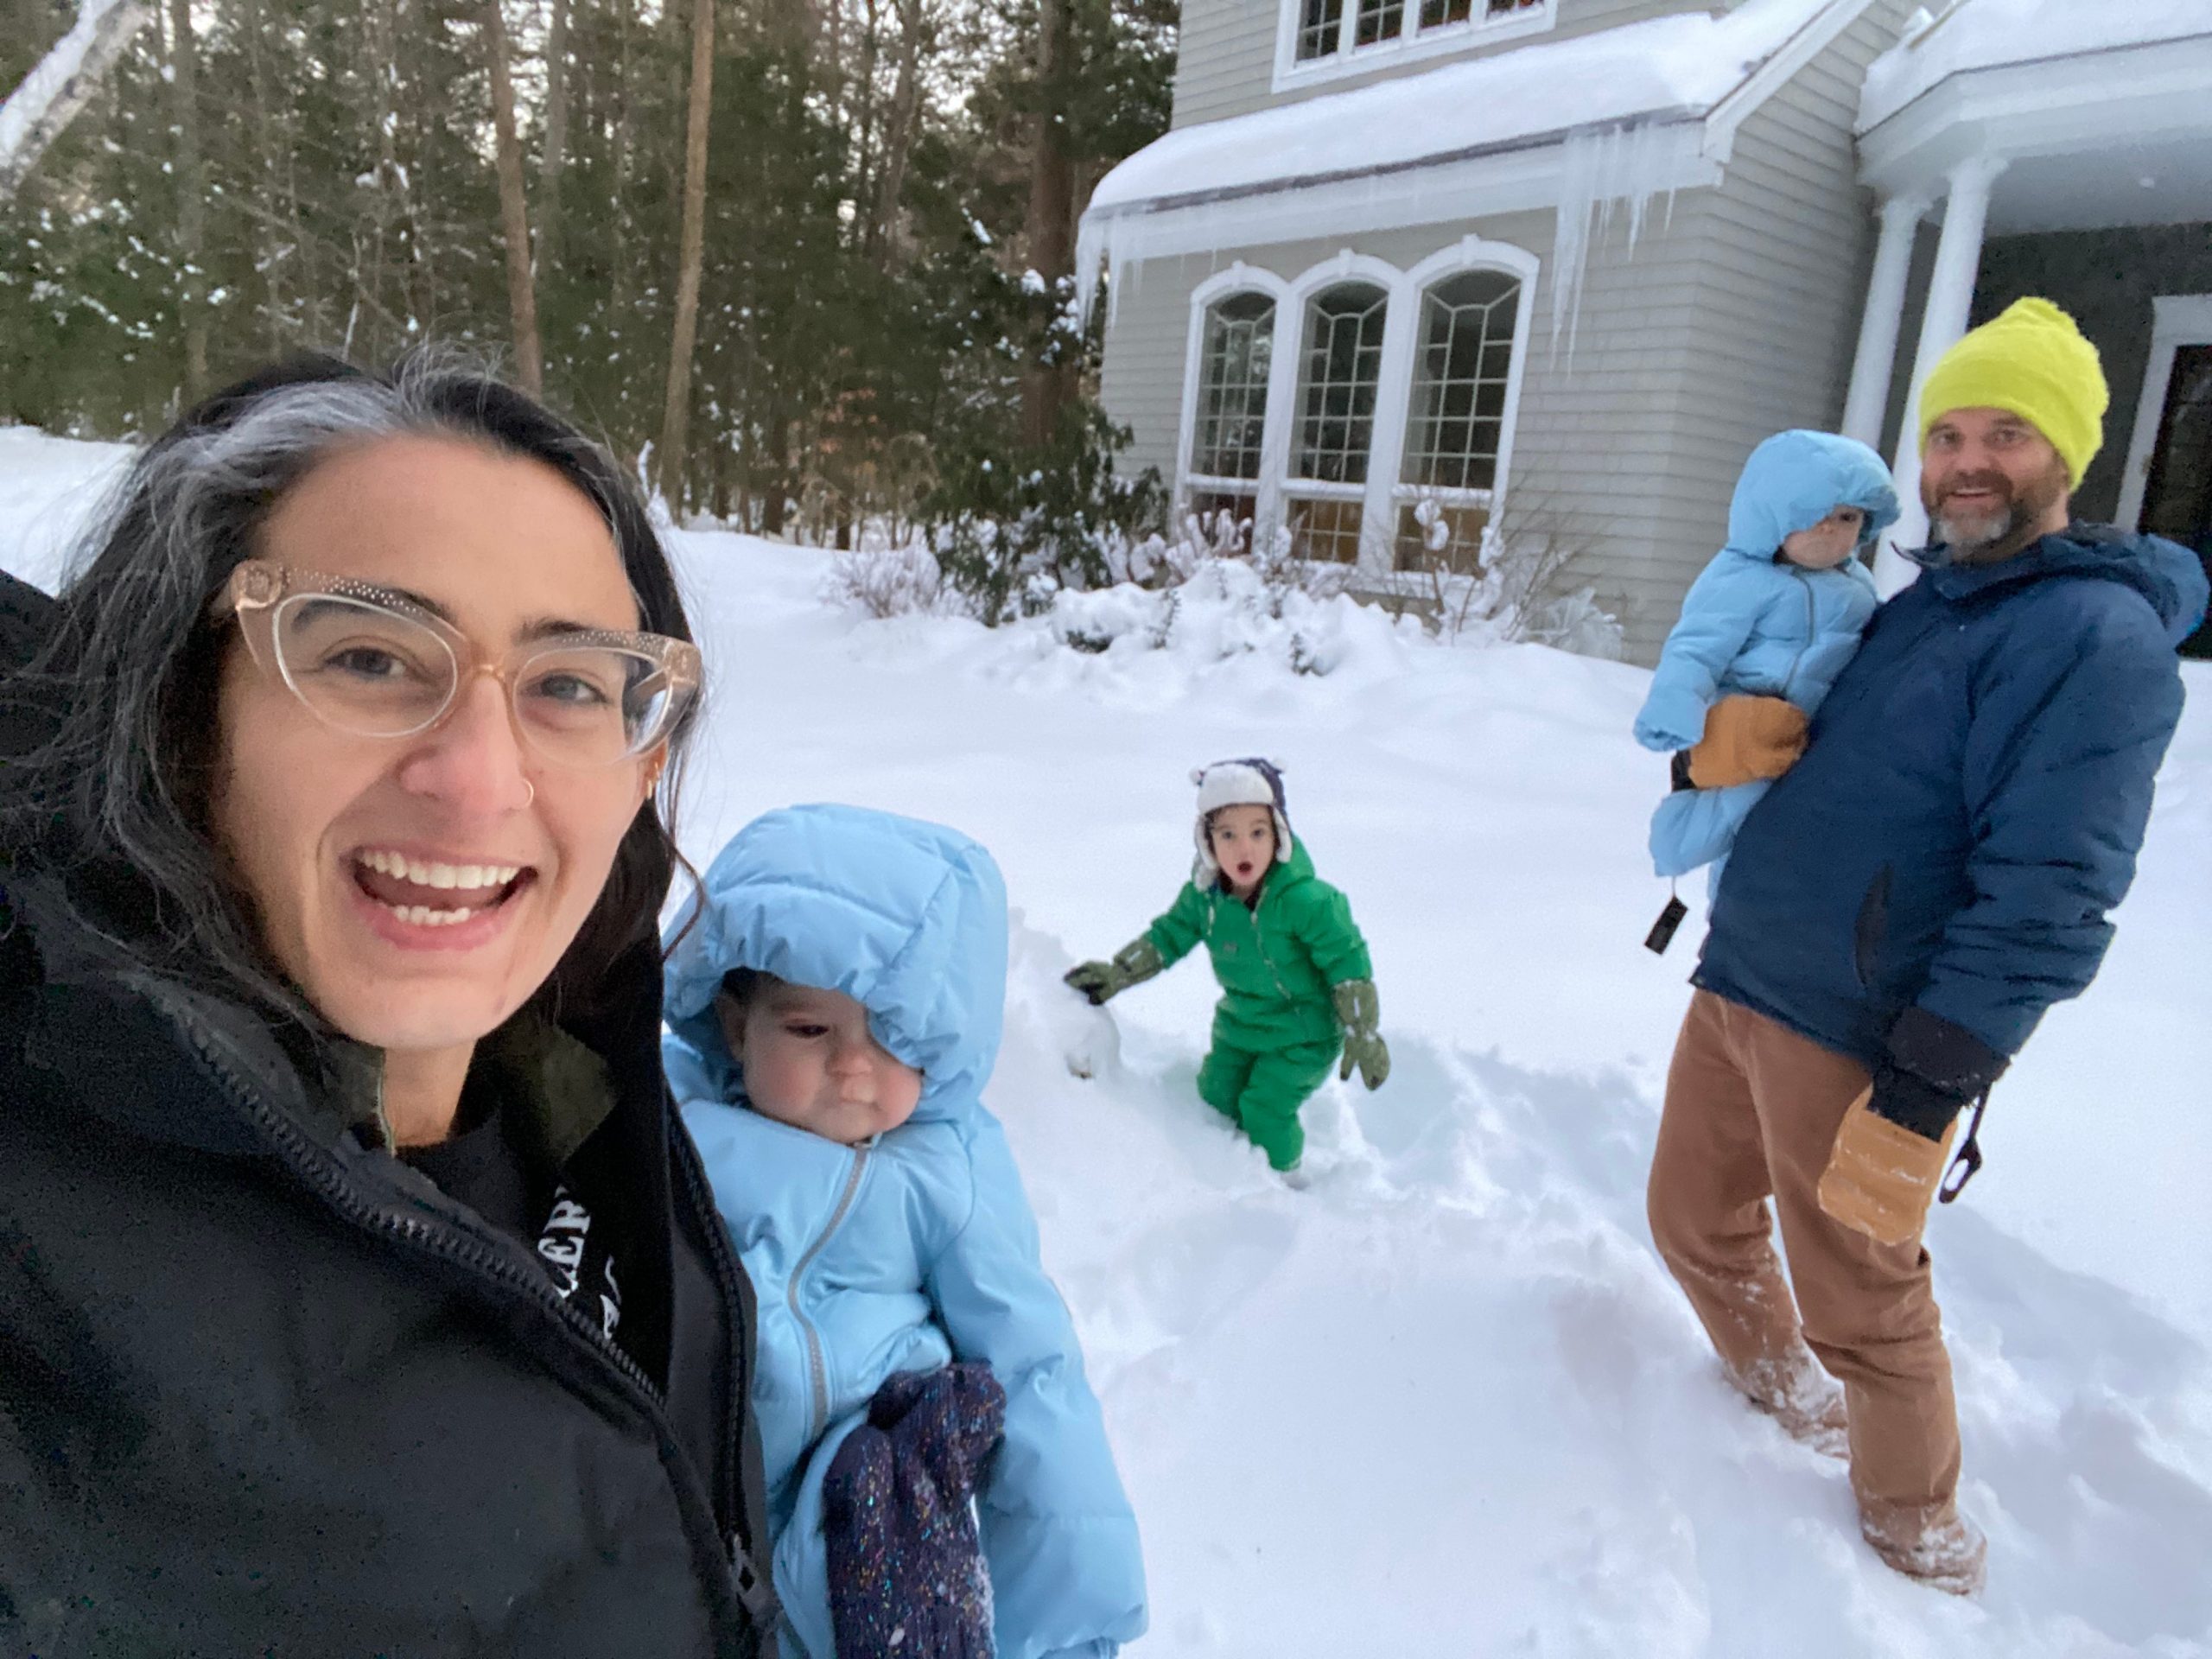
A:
{"x": 1260, "y": 1092}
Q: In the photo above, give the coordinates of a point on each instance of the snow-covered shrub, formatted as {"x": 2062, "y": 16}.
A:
{"x": 1505, "y": 590}
{"x": 1227, "y": 608}
{"x": 1009, "y": 534}
{"x": 886, "y": 578}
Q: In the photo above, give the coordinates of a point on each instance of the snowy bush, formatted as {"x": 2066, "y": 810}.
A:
{"x": 1227, "y": 608}
{"x": 1009, "y": 534}
{"x": 887, "y": 577}
{"x": 1505, "y": 589}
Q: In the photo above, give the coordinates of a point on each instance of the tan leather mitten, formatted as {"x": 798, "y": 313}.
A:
{"x": 1881, "y": 1177}
{"x": 1747, "y": 739}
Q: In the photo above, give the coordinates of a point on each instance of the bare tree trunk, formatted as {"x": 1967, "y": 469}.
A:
{"x": 35, "y": 114}
{"x": 514, "y": 210}
{"x": 191, "y": 205}
{"x": 834, "y": 90}
{"x": 898, "y": 134}
{"x": 556, "y": 132}
{"x": 864, "y": 151}
{"x": 271, "y": 254}
{"x": 1046, "y": 389}
{"x": 675, "y": 413}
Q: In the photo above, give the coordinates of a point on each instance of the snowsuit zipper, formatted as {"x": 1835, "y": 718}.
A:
{"x": 817, "y": 1369}
{"x": 316, "y": 1169}
{"x": 1812, "y": 629}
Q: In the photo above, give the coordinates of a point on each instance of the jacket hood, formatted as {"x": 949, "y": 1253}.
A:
{"x": 907, "y": 919}
{"x": 2165, "y": 573}
{"x": 1796, "y": 479}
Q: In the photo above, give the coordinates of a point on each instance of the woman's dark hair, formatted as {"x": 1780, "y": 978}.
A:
{"x": 121, "y": 787}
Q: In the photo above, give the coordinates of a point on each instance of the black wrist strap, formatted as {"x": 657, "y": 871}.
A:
{"x": 1969, "y": 1157}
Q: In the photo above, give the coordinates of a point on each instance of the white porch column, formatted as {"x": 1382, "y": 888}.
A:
{"x": 1883, "y": 318}
{"x": 1950, "y": 300}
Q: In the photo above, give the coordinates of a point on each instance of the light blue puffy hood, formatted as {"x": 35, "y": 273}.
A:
{"x": 911, "y": 1249}
{"x": 907, "y": 919}
{"x": 1796, "y": 479}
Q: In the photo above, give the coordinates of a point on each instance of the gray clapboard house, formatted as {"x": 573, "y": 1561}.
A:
{"x": 1556, "y": 265}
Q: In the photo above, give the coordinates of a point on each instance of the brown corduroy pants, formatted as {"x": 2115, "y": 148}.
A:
{"x": 1752, "y": 1112}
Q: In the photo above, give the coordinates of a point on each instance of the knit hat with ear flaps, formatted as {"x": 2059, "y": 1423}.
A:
{"x": 1249, "y": 782}
{"x": 2032, "y": 362}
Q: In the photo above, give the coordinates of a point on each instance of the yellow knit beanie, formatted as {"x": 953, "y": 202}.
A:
{"x": 2033, "y": 362}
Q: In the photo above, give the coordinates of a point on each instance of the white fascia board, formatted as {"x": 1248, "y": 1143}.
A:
{"x": 1516, "y": 179}
{"x": 1779, "y": 69}
{"x": 2083, "y": 101}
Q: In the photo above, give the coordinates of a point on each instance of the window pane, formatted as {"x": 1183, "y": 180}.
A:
{"x": 1342, "y": 363}
{"x": 1319, "y": 25}
{"x": 1460, "y": 373}
{"x": 1433, "y": 12}
{"x": 1379, "y": 20}
{"x": 1326, "y": 532}
{"x": 1232, "y": 406}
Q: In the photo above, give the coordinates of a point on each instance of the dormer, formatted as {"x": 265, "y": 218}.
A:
{"x": 1321, "y": 41}
{"x": 1237, "y": 56}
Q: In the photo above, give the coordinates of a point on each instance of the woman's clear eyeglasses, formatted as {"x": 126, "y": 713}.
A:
{"x": 374, "y": 663}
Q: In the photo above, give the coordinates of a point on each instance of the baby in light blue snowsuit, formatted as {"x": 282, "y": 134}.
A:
{"x": 900, "y": 1250}
{"x": 1777, "y": 613}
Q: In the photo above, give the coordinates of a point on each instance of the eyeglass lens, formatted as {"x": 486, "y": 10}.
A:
{"x": 373, "y": 672}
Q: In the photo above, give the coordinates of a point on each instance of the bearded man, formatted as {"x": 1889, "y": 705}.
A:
{"x": 1899, "y": 911}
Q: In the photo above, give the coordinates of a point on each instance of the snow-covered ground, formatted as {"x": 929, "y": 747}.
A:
{"x": 1447, "y": 1402}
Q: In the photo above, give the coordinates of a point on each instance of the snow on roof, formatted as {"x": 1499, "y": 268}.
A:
{"x": 1988, "y": 33}
{"x": 1680, "y": 64}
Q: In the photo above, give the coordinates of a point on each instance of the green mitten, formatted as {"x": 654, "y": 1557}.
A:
{"x": 1133, "y": 964}
{"x": 1357, "y": 1008}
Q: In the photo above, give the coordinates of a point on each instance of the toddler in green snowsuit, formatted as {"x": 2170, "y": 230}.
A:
{"x": 1297, "y": 986}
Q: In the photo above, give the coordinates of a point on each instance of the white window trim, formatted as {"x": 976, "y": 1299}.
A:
{"x": 1239, "y": 278}
{"x": 2177, "y": 320}
{"x": 1382, "y": 493}
{"x": 1412, "y": 44}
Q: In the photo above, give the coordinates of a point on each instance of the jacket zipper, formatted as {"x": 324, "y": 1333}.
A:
{"x": 742, "y": 1360}
{"x": 1812, "y": 628}
{"x": 816, "y": 1367}
{"x": 1260, "y": 941}
{"x": 316, "y": 1169}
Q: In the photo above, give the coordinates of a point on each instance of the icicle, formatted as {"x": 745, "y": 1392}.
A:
{"x": 1602, "y": 168}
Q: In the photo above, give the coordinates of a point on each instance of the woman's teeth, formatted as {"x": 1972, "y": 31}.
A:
{"x": 443, "y": 876}
{"x": 423, "y": 916}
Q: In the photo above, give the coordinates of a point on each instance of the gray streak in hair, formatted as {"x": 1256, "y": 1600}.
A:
{"x": 125, "y": 776}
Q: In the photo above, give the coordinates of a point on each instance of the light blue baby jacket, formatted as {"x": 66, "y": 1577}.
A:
{"x": 1755, "y": 625}
{"x": 914, "y": 1250}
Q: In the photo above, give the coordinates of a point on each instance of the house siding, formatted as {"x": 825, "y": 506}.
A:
{"x": 1226, "y": 54}
{"x": 1600, "y": 437}
{"x": 1735, "y": 316}
{"x": 1786, "y": 243}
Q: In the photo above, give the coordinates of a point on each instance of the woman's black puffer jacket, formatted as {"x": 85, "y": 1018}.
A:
{"x": 265, "y": 1389}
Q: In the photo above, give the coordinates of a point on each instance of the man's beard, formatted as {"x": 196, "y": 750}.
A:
{"x": 1986, "y": 537}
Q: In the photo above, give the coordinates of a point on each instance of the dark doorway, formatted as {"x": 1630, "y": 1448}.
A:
{"x": 2177, "y": 497}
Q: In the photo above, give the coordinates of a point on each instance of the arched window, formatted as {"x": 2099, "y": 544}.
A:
{"x": 1228, "y": 430}
{"x": 1340, "y": 366}
{"x": 1455, "y": 417}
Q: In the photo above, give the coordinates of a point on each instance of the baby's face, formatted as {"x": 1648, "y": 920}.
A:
{"x": 1827, "y": 543}
{"x": 810, "y": 1062}
{"x": 1243, "y": 841}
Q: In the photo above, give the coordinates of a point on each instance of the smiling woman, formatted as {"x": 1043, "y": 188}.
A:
{"x": 331, "y": 857}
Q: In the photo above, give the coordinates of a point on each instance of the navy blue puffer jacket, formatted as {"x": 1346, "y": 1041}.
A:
{"x": 1971, "y": 803}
